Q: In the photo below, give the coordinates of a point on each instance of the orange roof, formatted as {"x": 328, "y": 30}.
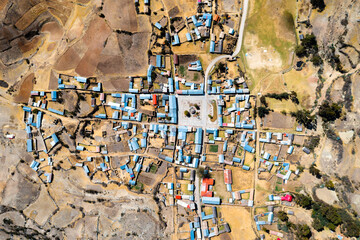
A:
{"x": 208, "y": 181}
{"x": 207, "y": 194}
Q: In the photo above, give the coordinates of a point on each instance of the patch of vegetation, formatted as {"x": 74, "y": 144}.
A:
{"x": 196, "y": 77}
{"x": 325, "y": 215}
{"x": 317, "y": 60}
{"x": 302, "y": 231}
{"x": 334, "y": 60}
{"x": 214, "y": 148}
{"x": 312, "y": 143}
{"x": 186, "y": 113}
{"x": 182, "y": 70}
{"x": 305, "y": 118}
{"x": 289, "y": 20}
{"x": 284, "y": 96}
{"x": 138, "y": 187}
{"x": 153, "y": 168}
{"x": 283, "y": 216}
{"x": 303, "y": 201}
{"x": 329, "y": 112}
{"x": 307, "y": 47}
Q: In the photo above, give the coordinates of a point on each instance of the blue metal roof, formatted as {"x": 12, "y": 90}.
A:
{"x": 29, "y": 145}
{"x": 101, "y": 115}
{"x": 176, "y": 40}
{"x": 158, "y": 25}
{"x": 211, "y": 200}
{"x": 56, "y": 111}
{"x": 188, "y": 37}
{"x": 55, "y": 138}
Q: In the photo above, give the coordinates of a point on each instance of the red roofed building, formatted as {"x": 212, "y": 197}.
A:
{"x": 205, "y": 187}
{"x": 227, "y": 176}
{"x": 287, "y": 198}
{"x": 154, "y": 99}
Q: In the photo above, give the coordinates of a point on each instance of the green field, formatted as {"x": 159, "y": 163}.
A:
{"x": 272, "y": 30}
{"x": 214, "y": 148}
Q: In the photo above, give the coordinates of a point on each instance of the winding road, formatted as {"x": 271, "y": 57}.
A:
{"x": 238, "y": 44}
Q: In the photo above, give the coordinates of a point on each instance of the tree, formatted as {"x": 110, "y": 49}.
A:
{"x": 312, "y": 143}
{"x": 316, "y": 224}
{"x": 222, "y": 67}
{"x": 309, "y": 42}
{"x": 187, "y": 114}
{"x": 314, "y": 171}
{"x": 329, "y": 112}
{"x": 329, "y": 185}
{"x": 293, "y": 97}
{"x": 303, "y": 231}
{"x": 304, "y": 117}
{"x": 263, "y": 101}
{"x": 351, "y": 228}
{"x": 303, "y": 201}
{"x": 283, "y": 216}
{"x": 301, "y": 168}
{"x": 300, "y": 51}
{"x": 316, "y": 60}
{"x": 319, "y": 4}
{"x": 203, "y": 173}
{"x": 263, "y": 111}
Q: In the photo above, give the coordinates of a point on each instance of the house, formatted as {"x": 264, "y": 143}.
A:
{"x": 211, "y": 200}
{"x": 56, "y": 111}
{"x": 55, "y": 140}
{"x": 306, "y": 150}
{"x": 188, "y": 37}
{"x": 176, "y": 59}
{"x": 206, "y": 182}
{"x": 53, "y": 96}
{"x": 176, "y": 40}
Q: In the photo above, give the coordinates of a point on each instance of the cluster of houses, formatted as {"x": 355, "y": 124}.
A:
{"x": 66, "y": 82}
{"x": 226, "y": 86}
{"x": 281, "y": 146}
{"x": 230, "y": 108}
{"x": 267, "y": 218}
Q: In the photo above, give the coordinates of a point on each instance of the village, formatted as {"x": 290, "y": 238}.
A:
{"x": 186, "y": 131}
{"x": 205, "y": 154}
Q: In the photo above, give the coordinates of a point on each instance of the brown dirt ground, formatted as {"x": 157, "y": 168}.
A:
{"x": 55, "y": 30}
{"x": 68, "y": 60}
{"x": 25, "y": 88}
{"x": 121, "y": 14}
{"x": 94, "y": 38}
{"x": 278, "y": 120}
{"x": 133, "y": 59}
{"x": 238, "y": 219}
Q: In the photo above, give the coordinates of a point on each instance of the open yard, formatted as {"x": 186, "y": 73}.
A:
{"x": 238, "y": 219}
